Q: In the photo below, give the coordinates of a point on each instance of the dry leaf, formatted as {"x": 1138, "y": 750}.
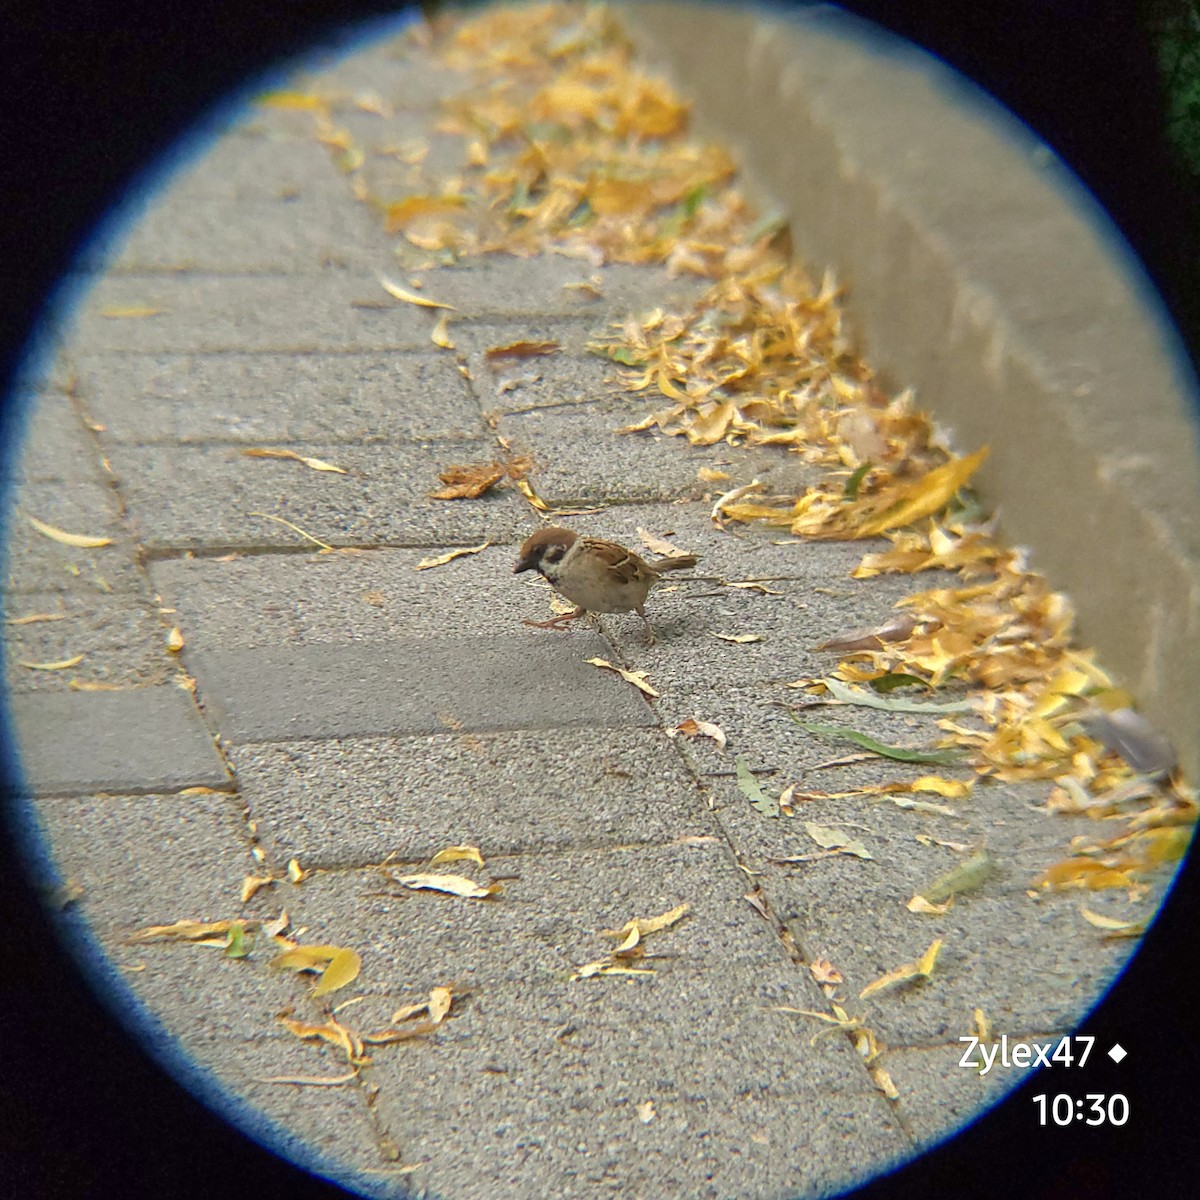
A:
{"x": 921, "y": 969}
{"x": 897, "y": 629}
{"x": 694, "y": 727}
{"x": 829, "y": 838}
{"x": 637, "y": 678}
{"x": 440, "y": 336}
{"x": 332, "y": 1032}
{"x": 254, "y": 883}
{"x": 740, "y": 639}
{"x": 187, "y": 931}
{"x": 467, "y": 482}
{"x": 125, "y": 312}
{"x": 455, "y": 885}
{"x": 658, "y": 545}
{"x": 709, "y": 475}
{"x": 308, "y": 1080}
{"x": 61, "y": 665}
{"x": 36, "y": 618}
{"x": 175, "y": 640}
{"x": 647, "y": 925}
{"x": 1113, "y": 926}
{"x": 526, "y": 490}
{"x": 315, "y": 464}
{"x": 399, "y": 293}
{"x": 443, "y": 559}
{"x": 80, "y": 540}
{"x": 294, "y": 871}
{"x": 918, "y": 904}
{"x": 457, "y": 854}
{"x": 823, "y": 971}
{"x": 645, "y": 1112}
{"x": 343, "y": 968}
{"x": 520, "y": 350}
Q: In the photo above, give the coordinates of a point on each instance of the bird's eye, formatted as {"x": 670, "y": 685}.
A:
{"x": 553, "y": 553}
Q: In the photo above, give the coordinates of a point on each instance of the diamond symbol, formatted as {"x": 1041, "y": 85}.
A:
{"x": 1118, "y": 1052}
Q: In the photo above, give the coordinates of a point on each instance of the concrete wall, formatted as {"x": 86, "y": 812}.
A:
{"x": 982, "y": 274}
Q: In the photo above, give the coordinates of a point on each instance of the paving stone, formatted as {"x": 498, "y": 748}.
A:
{"x": 139, "y": 740}
{"x": 411, "y": 685}
{"x": 45, "y": 441}
{"x": 509, "y": 792}
{"x": 263, "y": 399}
{"x": 186, "y": 498}
{"x": 294, "y": 234}
{"x": 37, "y": 563}
{"x": 123, "y": 642}
{"x": 203, "y": 313}
{"x": 265, "y": 600}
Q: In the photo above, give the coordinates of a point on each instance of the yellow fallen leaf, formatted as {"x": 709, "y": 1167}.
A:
{"x": 399, "y": 293}
{"x": 921, "y": 969}
{"x": 175, "y": 640}
{"x": 740, "y": 639}
{"x": 60, "y": 665}
{"x": 325, "y": 546}
{"x": 186, "y": 931}
{"x": 440, "y": 1000}
{"x": 952, "y": 789}
{"x": 521, "y": 350}
{"x": 526, "y": 490}
{"x": 1084, "y": 873}
{"x": 308, "y": 1080}
{"x": 124, "y": 312}
{"x": 605, "y": 966}
{"x": 456, "y": 854}
{"x": 343, "y": 968}
{"x": 637, "y": 678}
{"x": 694, "y": 727}
{"x": 305, "y": 958}
{"x": 709, "y": 475}
{"x": 295, "y": 872}
{"x": 81, "y": 540}
{"x": 883, "y": 1081}
{"x": 918, "y": 904}
{"x": 254, "y": 883}
{"x": 1113, "y": 925}
{"x": 642, "y": 926}
{"x": 297, "y": 101}
{"x": 659, "y": 545}
{"x": 36, "y": 618}
{"x": 332, "y": 1032}
{"x": 455, "y": 885}
{"x": 441, "y": 333}
{"x": 468, "y": 481}
{"x": 928, "y": 495}
{"x": 645, "y": 1112}
{"x": 443, "y": 559}
{"x": 316, "y": 464}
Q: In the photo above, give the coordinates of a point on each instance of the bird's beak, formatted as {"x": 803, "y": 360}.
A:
{"x": 524, "y": 563}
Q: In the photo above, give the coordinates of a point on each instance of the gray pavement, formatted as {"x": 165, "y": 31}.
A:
{"x": 345, "y": 709}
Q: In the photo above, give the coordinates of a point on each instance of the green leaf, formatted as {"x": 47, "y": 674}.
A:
{"x": 238, "y": 944}
{"x": 855, "y": 480}
{"x": 748, "y": 786}
{"x": 970, "y": 874}
{"x": 852, "y": 695}
{"x": 941, "y": 758}
{"x": 896, "y": 679}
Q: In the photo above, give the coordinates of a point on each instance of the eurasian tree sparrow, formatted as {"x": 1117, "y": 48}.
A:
{"x": 595, "y": 575}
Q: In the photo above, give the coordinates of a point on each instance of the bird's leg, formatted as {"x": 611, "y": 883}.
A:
{"x": 650, "y": 638}
{"x": 558, "y": 622}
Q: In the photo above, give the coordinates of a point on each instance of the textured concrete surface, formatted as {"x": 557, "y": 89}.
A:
{"x": 368, "y": 714}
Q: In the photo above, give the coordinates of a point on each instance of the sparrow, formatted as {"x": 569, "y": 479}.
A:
{"x": 595, "y": 575}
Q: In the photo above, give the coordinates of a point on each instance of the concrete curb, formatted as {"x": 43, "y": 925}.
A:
{"x": 982, "y": 274}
